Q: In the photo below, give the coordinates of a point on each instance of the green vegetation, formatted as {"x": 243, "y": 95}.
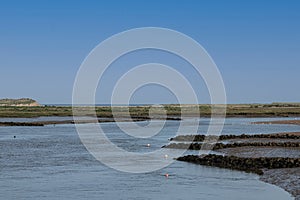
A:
{"x": 233, "y": 110}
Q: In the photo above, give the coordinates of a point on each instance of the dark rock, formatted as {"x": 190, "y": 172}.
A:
{"x": 201, "y": 138}
{"x": 250, "y": 165}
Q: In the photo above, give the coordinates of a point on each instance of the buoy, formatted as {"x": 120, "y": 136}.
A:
{"x": 166, "y": 156}
{"x": 148, "y": 145}
{"x": 167, "y": 175}
{"x": 15, "y": 136}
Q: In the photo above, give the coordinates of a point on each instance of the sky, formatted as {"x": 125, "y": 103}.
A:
{"x": 254, "y": 43}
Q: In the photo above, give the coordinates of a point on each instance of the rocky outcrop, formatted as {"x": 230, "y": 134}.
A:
{"x": 253, "y": 165}
{"x": 201, "y": 138}
{"x": 216, "y": 146}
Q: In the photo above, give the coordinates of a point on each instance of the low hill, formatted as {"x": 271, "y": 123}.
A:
{"x": 19, "y": 102}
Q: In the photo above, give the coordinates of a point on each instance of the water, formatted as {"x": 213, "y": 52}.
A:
{"x": 51, "y": 163}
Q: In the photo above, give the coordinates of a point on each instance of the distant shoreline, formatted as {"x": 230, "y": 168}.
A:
{"x": 172, "y": 110}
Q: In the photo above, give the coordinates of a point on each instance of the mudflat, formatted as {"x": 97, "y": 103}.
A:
{"x": 274, "y": 157}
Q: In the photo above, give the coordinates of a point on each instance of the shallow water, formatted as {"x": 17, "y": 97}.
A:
{"x": 51, "y": 163}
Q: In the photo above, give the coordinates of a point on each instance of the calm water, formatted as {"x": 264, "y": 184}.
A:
{"x": 51, "y": 163}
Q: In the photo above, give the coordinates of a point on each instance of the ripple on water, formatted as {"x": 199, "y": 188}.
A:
{"x": 51, "y": 163}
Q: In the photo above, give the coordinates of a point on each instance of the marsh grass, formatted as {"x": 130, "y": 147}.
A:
{"x": 233, "y": 110}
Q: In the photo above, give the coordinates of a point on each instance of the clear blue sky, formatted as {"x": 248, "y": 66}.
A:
{"x": 256, "y": 44}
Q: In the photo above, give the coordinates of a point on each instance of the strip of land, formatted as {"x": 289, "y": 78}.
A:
{"x": 201, "y": 138}
{"x": 288, "y": 122}
{"x": 172, "y": 110}
{"x": 217, "y": 146}
{"x": 56, "y": 122}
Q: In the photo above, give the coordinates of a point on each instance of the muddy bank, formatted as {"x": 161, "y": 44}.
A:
{"x": 289, "y": 122}
{"x": 201, "y": 138}
{"x": 255, "y": 152}
{"x": 217, "y": 146}
{"x": 44, "y": 123}
{"x": 20, "y": 124}
{"x": 254, "y": 165}
{"x": 275, "y": 157}
{"x": 279, "y": 171}
{"x": 288, "y": 179}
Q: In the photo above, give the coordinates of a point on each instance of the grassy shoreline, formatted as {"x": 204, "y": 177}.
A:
{"x": 232, "y": 110}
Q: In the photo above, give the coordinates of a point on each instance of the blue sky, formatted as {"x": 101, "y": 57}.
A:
{"x": 255, "y": 44}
